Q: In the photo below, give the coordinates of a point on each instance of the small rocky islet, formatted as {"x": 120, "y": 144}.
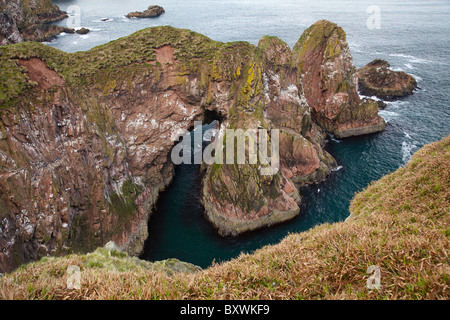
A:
{"x": 377, "y": 79}
{"x": 151, "y": 12}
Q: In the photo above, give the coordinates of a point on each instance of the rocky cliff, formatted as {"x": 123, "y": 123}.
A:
{"x": 29, "y": 20}
{"x": 326, "y": 70}
{"x": 85, "y": 138}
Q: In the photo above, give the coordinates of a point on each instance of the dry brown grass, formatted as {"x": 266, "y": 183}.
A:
{"x": 400, "y": 223}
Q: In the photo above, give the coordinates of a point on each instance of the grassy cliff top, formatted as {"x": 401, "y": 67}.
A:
{"x": 110, "y": 61}
{"x": 399, "y": 223}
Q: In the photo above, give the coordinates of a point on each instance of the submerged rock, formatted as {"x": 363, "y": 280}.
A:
{"x": 376, "y": 79}
{"x": 151, "y": 12}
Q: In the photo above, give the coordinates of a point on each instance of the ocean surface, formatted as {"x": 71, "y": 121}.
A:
{"x": 413, "y": 36}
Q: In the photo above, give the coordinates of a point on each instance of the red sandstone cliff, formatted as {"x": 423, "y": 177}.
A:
{"x": 329, "y": 81}
{"x": 86, "y": 138}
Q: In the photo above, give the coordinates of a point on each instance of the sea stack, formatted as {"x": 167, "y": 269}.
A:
{"x": 328, "y": 77}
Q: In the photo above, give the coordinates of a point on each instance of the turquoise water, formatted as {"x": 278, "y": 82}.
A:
{"x": 414, "y": 37}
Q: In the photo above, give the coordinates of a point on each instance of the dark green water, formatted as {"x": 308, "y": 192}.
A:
{"x": 414, "y": 37}
{"x": 178, "y": 228}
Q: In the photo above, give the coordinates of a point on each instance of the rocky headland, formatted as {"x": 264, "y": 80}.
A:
{"x": 29, "y": 21}
{"x": 85, "y": 138}
{"x": 377, "y": 79}
{"x": 329, "y": 80}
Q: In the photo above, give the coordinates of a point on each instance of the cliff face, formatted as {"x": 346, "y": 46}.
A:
{"x": 86, "y": 137}
{"x": 329, "y": 79}
{"x": 29, "y": 20}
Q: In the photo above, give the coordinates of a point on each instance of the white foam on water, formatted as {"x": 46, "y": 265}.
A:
{"x": 395, "y": 104}
{"x": 335, "y": 140}
{"x": 418, "y": 79}
{"x": 337, "y": 169}
{"x": 408, "y": 149}
{"x": 361, "y": 96}
{"x": 410, "y": 66}
{"x": 397, "y": 69}
{"x": 409, "y": 146}
{"x": 411, "y": 59}
{"x": 388, "y": 115}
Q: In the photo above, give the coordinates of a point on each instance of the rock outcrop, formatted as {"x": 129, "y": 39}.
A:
{"x": 326, "y": 71}
{"x": 83, "y": 31}
{"x": 151, "y": 12}
{"x": 29, "y": 21}
{"x": 85, "y": 138}
{"x": 376, "y": 79}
